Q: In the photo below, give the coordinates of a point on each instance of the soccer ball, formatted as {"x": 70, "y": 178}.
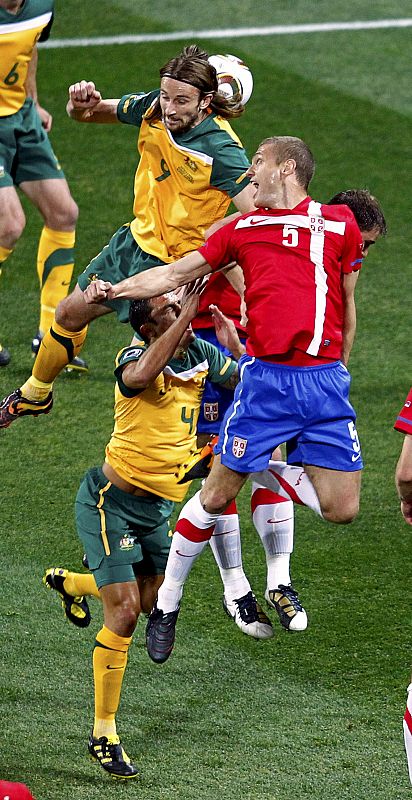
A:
{"x": 233, "y": 76}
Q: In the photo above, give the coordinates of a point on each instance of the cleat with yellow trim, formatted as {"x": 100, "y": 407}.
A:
{"x": 76, "y": 365}
{"x": 284, "y": 599}
{"x": 109, "y": 752}
{"x": 4, "y": 356}
{"x": 76, "y": 608}
{"x": 200, "y": 463}
{"x": 248, "y": 616}
{"x": 15, "y": 405}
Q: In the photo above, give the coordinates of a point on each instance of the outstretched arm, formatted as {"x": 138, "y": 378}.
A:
{"x": 152, "y": 282}
{"x": 87, "y": 105}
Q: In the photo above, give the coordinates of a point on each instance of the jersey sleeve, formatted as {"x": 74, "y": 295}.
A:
{"x": 229, "y": 168}
{"x": 46, "y": 30}
{"x": 404, "y": 419}
{"x": 218, "y": 250}
{"x": 132, "y": 107}
{"x": 352, "y": 252}
{"x": 124, "y": 357}
{"x": 221, "y": 367}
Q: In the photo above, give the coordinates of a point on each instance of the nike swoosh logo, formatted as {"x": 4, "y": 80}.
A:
{"x": 355, "y": 458}
{"x": 114, "y": 667}
{"x": 185, "y": 555}
{"x": 258, "y": 221}
{"x": 154, "y": 126}
{"x": 275, "y": 521}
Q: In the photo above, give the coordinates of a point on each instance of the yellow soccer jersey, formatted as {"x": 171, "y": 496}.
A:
{"x": 155, "y": 428}
{"x": 19, "y": 34}
{"x": 183, "y": 183}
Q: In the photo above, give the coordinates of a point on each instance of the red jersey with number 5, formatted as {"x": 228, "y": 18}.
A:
{"x": 293, "y": 262}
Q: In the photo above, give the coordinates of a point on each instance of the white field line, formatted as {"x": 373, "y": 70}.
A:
{"x": 230, "y": 33}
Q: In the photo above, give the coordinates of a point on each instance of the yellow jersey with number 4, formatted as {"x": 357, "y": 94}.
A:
{"x": 154, "y": 432}
{"x": 19, "y": 33}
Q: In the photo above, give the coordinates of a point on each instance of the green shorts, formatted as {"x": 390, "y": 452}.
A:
{"x": 120, "y": 259}
{"x": 25, "y": 150}
{"x": 122, "y": 535}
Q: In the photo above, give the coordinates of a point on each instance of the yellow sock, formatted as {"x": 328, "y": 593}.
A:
{"x": 57, "y": 349}
{"x": 81, "y": 583}
{"x": 4, "y": 254}
{"x": 55, "y": 262}
{"x": 109, "y": 664}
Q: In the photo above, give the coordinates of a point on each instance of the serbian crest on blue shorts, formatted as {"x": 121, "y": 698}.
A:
{"x": 239, "y": 446}
{"x": 211, "y": 411}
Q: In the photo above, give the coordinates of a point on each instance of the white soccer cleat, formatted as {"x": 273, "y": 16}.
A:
{"x": 284, "y": 599}
{"x": 248, "y": 616}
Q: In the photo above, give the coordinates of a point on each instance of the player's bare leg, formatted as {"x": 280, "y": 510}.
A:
{"x": 12, "y": 222}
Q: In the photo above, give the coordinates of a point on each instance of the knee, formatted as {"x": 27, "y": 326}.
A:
{"x": 214, "y": 499}
{"x": 11, "y": 230}
{"x": 126, "y": 616}
{"x": 70, "y": 314}
{"x": 341, "y": 514}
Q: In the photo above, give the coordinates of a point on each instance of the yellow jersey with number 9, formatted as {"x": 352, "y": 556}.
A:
{"x": 183, "y": 182}
{"x": 19, "y": 33}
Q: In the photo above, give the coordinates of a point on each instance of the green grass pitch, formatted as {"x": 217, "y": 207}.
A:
{"x": 310, "y": 716}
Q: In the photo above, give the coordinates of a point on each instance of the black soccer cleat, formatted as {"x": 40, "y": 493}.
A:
{"x": 284, "y": 599}
{"x": 109, "y": 752}
{"x": 15, "y": 405}
{"x": 160, "y": 634}
{"x": 4, "y": 356}
{"x": 76, "y": 365}
{"x": 76, "y": 608}
{"x": 200, "y": 463}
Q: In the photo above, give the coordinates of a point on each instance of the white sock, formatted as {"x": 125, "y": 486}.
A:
{"x": 290, "y": 482}
{"x": 193, "y": 530}
{"x": 273, "y": 520}
{"x": 407, "y": 730}
{"x": 226, "y": 548}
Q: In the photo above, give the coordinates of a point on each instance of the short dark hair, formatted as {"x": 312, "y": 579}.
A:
{"x": 365, "y": 208}
{"x": 192, "y": 66}
{"x": 140, "y": 312}
{"x": 292, "y": 147}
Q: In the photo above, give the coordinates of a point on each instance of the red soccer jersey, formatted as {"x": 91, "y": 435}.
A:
{"x": 220, "y": 292}
{"x": 293, "y": 262}
{"x": 404, "y": 419}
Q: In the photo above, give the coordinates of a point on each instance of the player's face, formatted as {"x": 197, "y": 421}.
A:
{"x": 369, "y": 238}
{"x": 265, "y": 176}
{"x": 165, "y": 311}
{"x": 182, "y": 105}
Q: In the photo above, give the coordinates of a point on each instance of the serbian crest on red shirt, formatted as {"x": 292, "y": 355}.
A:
{"x": 239, "y": 446}
{"x": 211, "y": 411}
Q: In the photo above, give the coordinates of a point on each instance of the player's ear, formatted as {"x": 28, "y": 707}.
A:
{"x": 205, "y": 101}
{"x": 289, "y": 167}
{"x": 147, "y": 331}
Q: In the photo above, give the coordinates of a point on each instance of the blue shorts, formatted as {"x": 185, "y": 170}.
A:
{"x": 308, "y": 407}
{"x": 216, "y": 399}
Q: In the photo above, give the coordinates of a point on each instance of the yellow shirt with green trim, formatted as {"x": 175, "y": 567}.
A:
{"x": 19, "y": 33}
{"x": 183, "y": 183}
{"x": 154, "y": 432}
